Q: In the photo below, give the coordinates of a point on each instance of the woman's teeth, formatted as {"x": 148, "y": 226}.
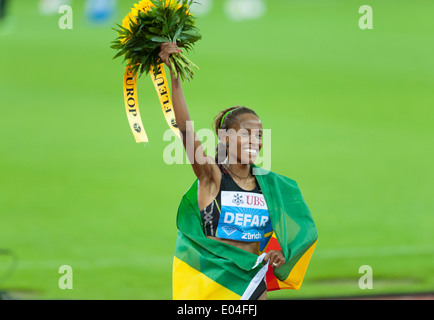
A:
{"x": 251, "y": 151}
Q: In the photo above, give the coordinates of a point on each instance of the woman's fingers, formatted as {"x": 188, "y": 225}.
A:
{"x": 275, "y": 258}
{"x": 278, "y": 262}
{"x": 167, "y": 48}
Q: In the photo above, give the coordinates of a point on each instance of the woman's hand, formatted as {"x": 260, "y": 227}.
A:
{"x": 167, "y": 48}
{"x": 275, "y": 258}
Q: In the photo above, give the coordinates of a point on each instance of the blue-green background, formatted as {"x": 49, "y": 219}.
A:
{"x": 351, "y": 114}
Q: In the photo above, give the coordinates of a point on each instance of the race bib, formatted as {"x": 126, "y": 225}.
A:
{"x": 243, "y": 216}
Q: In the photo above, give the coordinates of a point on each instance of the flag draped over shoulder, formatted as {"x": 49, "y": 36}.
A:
{"x": 206, "y": 269}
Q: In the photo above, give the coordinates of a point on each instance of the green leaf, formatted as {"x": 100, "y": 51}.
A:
{"x": 158, "y": 39}
{"x": 155, "y": 30}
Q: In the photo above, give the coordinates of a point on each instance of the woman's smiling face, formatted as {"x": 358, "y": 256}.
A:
{"x": 245, "y": 139}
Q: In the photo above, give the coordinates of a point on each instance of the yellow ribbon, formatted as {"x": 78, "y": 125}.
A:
{"x": 162, "y": 87}
{"x": 132, "y": 107}
{"x": 132, "y": 104}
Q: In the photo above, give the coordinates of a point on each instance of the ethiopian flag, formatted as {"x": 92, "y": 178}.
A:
{"x": 206, "y": 269}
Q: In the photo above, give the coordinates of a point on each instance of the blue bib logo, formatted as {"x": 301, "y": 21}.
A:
{"x": 243, "y": 217}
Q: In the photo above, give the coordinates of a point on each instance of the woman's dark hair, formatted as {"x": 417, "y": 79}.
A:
{"x": 230, "y": 119}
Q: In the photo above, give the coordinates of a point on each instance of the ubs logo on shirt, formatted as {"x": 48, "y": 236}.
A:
{"x": 238, "y": 199}
{"x": 250, "y": 200}
{"x": 255, "y": 200}
{"x": 241, "y": 199}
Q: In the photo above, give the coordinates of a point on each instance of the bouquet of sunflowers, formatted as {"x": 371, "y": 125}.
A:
{"x": 150, "y": 23}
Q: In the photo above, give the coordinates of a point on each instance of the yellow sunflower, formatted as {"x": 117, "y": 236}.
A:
{"x": 143, "y": 5}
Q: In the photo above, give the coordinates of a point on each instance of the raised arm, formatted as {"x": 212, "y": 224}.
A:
{"x": 205, "y": 168}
